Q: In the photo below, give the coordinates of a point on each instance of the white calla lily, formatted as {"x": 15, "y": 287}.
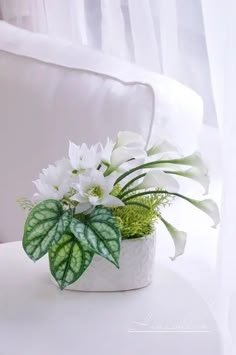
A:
{"x": 94, "y": 189}
{"x": 126, "y": 138}
{"x": 123, "y": 154}
{"x": 194, "y": 174}
{"x": 179, "y": 238}
{"x": 159, "y": 179}
{"x": 208, "y": 206}
{"x": 194, "y": 160}
{"x": 128, "y": 146}
{"x": 54, "y": 182}
{"x": 82, "y": 157}
{"x": 162, "y": 146}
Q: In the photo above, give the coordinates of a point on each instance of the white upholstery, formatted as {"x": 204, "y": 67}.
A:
{"x": 51, "y": 92}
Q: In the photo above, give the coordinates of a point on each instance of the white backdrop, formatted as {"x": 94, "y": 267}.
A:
{"x": 190, "y": 40}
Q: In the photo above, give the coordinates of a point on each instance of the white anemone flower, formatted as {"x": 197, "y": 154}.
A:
{"x": 159, "y": 179}
{"x": 95, "y": 189}
{"x": 179, "y": 238}
{"x": 82, "y": 157}
{"x": 54, "y": 181}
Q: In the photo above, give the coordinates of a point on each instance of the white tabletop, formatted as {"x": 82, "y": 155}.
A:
{"x": 36, "y": 318}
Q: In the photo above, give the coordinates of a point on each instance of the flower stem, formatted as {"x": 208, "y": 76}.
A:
{"x": 149, "y": 165}
{"x": 155, "y": 192}
{"x": 130, "y": 183}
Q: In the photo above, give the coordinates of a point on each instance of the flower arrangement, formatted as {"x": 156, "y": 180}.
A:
{"x": 87, "y": 203}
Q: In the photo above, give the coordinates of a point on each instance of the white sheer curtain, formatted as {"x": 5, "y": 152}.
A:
{"x": 219, "y": 18}
{"x": 190, "y": 40}
{"x": 166, "y": 36}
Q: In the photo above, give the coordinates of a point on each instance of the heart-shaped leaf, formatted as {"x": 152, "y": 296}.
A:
{"x": 44, "y": 226}
{"x": 68, "y": 260}
{"x": 99, "y": 233}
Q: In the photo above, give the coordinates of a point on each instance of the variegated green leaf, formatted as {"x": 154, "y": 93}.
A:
{"x": 44, "y": 226}
{"x": 68, "y": 260}
{"x": 100, "y": 233}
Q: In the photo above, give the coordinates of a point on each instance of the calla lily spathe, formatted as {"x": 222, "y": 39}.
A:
{"x": 160, "y": 180}
{"x": 195, "y": 174}
{"x": 179, "y": 238}
{"x": 209, "y": 207}
{"x": 162, "y": 146}
{"x": 128, "y": 146}
{"x": 194, "y": 160}
{"x": 130, "y": 139}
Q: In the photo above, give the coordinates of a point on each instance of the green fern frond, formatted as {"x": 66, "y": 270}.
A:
{"x": 138, "y": 219}
{"x": 25, "y": 203}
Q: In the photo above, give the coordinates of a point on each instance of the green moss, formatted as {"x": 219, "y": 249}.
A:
{"x": 136, "y": 221}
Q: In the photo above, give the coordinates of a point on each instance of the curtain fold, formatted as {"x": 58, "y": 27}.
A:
{"x": 169, "y": 38}
{"x": 146, "y": 51}
{"x": 220, "y": 30}
{"x": 113, "y": 29}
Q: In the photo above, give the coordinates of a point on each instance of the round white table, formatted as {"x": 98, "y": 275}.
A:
{"x": 36, "y": 318}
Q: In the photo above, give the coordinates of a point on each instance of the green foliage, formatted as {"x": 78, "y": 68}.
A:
{"x": 44, "y": 226}
{"x": 25, "y": 203}
{"x": 68, "y": 260}
{"x": 136, "y": 220}
{"x": 100, "y": 233}
{"x": 71, "y": 241}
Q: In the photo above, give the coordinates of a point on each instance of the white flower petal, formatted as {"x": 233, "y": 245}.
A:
{"x": 73, "y": 154}
{"x": 125, "y": 138}
{"x": 197, "y": 175}
{"x": 123, "y": 154}
{"x": 94, "y": 200}
{"x": 194, "y": 160}
{"x": 112, "y": 201}
{"x": 162, "y": 147}
{"x": 159, "y": 179}
{"x": 209, "y": 207}
{"x": 79, "y": 198}
{"x": 82, "y": 207}
{"x": 179, "y": 238}
{"x": 107, "y": 151}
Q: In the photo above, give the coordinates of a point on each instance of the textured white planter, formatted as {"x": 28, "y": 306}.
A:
{"x": 136, "y": 266}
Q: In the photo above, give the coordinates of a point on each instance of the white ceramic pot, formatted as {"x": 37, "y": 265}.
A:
{"x": 136, "y": 266}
